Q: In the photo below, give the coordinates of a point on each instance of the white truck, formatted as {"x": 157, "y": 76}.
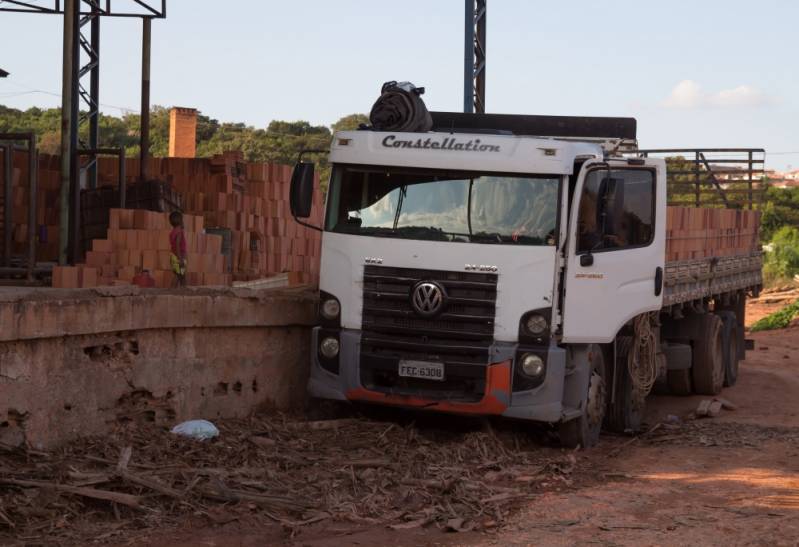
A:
{"x": 514, "y": 266}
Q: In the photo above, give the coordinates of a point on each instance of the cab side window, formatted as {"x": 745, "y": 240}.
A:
{"x": 617, "y": 210}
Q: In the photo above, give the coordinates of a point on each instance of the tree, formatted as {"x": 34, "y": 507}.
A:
{"x": 351, "y": 122}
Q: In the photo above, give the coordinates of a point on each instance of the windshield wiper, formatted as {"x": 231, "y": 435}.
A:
{"x": 496, "y": 237}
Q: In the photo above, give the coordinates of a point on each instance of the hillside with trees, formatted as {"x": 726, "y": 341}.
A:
{"x": 279, "y": 141}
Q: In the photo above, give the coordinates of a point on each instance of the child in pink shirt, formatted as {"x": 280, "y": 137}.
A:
{"x": 177, "y": 243}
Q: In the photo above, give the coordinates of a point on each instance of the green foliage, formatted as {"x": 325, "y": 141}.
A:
{"x": 782, "y": 256}
{"x": 279, "y": 142}
{"x": 781, "y": 208}
{"x": 779, "y": 319}
{"x": 351, "y": 122}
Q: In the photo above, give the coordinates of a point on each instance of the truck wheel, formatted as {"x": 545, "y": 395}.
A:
{"x": 626, "y": 412}
{"x": 708, "y": 365}
{"x": 730, "y": 344}
{"x": 584, "y": 431}
{"x": 679, "y": 382}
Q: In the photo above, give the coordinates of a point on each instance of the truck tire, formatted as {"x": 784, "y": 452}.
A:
{"x": 626, "y": 412}
{"x": 679, "y": 382}
{"x": 730, "y": 338}
{"x": 708, "y": 364}
{"x": 584, "y": 431}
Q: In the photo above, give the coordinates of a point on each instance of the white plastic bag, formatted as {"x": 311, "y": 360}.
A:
{"x": 196, "y": 429}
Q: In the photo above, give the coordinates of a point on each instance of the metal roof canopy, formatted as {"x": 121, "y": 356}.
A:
{"x": 155, "y": 9}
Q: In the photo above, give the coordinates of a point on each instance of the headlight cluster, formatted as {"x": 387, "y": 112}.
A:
{"x": 330, "y": 309}
{"x": 532, "y": 365}
{"x": 535, "y": 327}
{"x": 536, "y": 324}
{"x": 329, "y": 347}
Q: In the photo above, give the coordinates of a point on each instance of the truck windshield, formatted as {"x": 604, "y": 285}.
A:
{"x": 443, "y": 205}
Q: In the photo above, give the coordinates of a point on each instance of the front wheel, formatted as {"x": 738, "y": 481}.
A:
{"x": 626, "y": 410}
{"x": 584, "y": 431}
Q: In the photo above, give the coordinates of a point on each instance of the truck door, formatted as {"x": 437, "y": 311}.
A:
{"x": 616, "y": 247}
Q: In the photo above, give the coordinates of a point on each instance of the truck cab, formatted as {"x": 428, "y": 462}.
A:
{"x": 484, "y": 272}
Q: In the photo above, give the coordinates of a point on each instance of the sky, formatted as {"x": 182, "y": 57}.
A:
{"x": 715, "y": 73}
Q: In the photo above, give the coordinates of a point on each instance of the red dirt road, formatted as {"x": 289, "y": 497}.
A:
{"x": 729, "y": 480}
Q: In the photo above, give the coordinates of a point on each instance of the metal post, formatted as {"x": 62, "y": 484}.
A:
{"x": 73, "y": 253}
{"x": 70, "y": 30}
{"x": 697, "y": 190}
{"x": 480, "y": 58}
{"x": 33, "y": 163}
{"x": 145, "y": 98}
{"x": 474, "y": 56}
{"x": 94, "y": 99}
{"x": 468, "y": 58}
{"x": 751, "y": 196}
{"x": 8, "y": 202}
{"x": 122, "y": 187}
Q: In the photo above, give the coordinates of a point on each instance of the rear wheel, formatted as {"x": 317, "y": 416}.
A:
{"x": 584, "y": 431}
{"x": 679, "y": 382}
{"x": 730, "y": 345}
{"x": 626, "y": 411}
{"x": 708, "y": 362}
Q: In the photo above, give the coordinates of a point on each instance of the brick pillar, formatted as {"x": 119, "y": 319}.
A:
{"x": 182, "y": 132}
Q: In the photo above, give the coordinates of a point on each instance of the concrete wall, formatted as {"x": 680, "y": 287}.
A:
{"x": 76, "y": 363}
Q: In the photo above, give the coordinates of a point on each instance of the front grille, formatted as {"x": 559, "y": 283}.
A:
{"x": 459, "y": 337}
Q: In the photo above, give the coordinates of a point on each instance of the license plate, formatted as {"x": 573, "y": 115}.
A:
{"x": 425, "y": 370}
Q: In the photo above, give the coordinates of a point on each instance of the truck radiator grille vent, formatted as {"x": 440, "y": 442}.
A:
{"x": 468, "y": 312}
{"x": 459, "y": 337}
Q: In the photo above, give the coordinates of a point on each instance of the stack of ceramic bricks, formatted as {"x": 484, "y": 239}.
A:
{"x": 252, "y": 201}
{"x": 138, "y": 240}
{"x": 693, "y": 233}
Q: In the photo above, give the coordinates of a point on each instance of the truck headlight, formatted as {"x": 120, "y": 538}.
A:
{"x": 330, "y": 309}
{"x": 532, "y": 365}
{"x": 329, "y": 347}
{"x": 536, "y": 324}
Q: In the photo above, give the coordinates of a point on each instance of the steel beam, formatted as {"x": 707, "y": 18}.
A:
{"x": 33, "y": 185}
{"x": 70, "y": 31}
{"x": 8, "y": 202}
{"x": 144, "y": 155}
{"x": 155, "y": 9}
{"x": 474, "y": 58}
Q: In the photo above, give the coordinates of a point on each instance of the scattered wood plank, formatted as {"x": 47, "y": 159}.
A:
{"x": 116, "y": 497}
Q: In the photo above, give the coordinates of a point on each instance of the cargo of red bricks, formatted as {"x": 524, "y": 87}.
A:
{"x": 249, "y": 199}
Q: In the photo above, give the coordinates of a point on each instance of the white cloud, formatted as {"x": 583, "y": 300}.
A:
{"x": 686, "y": 94}
{"x": 743, "y": 95}
{"x": 689, "y": 94}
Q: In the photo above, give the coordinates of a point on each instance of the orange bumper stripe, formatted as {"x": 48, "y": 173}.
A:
{"x": 495, "y": 400}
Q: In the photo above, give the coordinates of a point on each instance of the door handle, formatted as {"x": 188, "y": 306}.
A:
{"x": 658, "y": 280}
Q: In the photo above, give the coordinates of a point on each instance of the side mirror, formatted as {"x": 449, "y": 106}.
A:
{"x": 301, "y": 196}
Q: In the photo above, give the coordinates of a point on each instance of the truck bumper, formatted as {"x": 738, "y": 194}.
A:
{"x": 542, "y": 404}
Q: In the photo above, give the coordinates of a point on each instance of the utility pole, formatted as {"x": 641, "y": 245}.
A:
{"x": 144, "y": 153}
{"x": 67, "y": 120}
{"x": 474, "y": 57}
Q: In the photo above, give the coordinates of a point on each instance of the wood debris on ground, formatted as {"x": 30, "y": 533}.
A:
{"x": 277, "y": 469}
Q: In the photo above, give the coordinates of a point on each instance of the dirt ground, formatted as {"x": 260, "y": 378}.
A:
{"x": 728, "y": 480}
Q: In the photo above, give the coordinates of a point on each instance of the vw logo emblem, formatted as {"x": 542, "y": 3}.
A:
{"x": 427, "y": 298}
